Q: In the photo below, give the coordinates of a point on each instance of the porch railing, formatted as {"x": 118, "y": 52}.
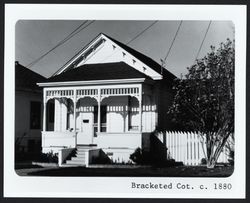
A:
{"x": 58, "y": 139}
{"x": 129, "y": 140}
{"x": 103, "y": 128}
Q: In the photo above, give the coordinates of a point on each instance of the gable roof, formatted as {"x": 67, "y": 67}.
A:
{"x": 143, "y": 58}
{"x": 26, "y": 79}
{"x": 101, "y": 71}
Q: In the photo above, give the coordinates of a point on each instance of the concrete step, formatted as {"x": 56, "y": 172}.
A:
{"x": 72, "y": 165}
{"x": 73, "y": 162}
{"x": 81, "y": 159}
{"x": 86, "y": 147}
{"x": 80, "y": 155}
{"x": 82, "y": 150}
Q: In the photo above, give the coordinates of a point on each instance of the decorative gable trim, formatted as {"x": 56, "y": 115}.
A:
{"x": 96, "y": 45}
{"x": 83, "y": 54}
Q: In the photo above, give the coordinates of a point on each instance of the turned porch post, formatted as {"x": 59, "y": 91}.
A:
{"x": 140, "y": 108}
{"x": 99, "y": 112}
{"x": 75, "y": 110}
{"x": 44, "y": 109}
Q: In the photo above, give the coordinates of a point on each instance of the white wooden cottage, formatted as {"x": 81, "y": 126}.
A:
{"x": 108, "y": 97}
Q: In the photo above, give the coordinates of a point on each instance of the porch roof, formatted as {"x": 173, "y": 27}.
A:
{"x": 102, "y": 71}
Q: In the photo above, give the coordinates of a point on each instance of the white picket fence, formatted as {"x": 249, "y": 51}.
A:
{"x": 187, "y": 147}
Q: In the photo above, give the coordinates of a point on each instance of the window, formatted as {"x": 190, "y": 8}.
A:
{"x": 35, "y": 115}
{"x": 103, "y": 118}
{"x": 51, "y": 111}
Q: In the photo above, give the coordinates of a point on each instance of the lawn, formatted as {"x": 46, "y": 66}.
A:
{"x": 178, "y": 171}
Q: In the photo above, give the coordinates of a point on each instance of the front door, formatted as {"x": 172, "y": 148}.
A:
{"x": 86, "y": 132}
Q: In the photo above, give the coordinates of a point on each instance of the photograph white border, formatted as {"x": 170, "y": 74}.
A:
{"x": 120, "y": 187}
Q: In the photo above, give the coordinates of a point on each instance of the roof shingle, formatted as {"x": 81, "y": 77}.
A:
{"x": 26, "y": 79}
{"x": 101, "y": 71}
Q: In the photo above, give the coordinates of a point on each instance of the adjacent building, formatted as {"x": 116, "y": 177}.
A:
{"x": 28, "y": 110}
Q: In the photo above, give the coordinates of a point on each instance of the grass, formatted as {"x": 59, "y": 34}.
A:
{"x": 178, "y": 171}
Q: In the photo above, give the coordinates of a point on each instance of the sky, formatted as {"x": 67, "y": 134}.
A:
{"x": 33, "y": 38}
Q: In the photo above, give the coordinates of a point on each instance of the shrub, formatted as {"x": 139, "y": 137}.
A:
{"x": 148, "y": 158}
{"x": 137, "y": 156}
{"x": 49, "y": 157}
{"x": 203, "y": 161}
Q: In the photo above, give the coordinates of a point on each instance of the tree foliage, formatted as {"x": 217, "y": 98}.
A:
{"x": 204, "y": 99}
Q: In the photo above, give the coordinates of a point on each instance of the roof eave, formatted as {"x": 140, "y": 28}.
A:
{"x": 95, "y": 82}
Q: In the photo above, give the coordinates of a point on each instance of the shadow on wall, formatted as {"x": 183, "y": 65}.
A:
{"x": 102, "y": 158}
{"x": 158, "y": 150}
{"x": 155, "y": 156}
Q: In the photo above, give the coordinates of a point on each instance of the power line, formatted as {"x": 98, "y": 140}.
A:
{"x": 203, "y": 40}
{"x": 72, "y": 34}
{"x": 134, "y": 38}
{"x": 173, "y": 41}
{"x": 58, "y": 44}
{"x": 142, "y": 32}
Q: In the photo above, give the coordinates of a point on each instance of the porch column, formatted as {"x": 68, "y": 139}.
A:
{"x": 75, "y": 110}
{"x": 44, "y": 110}
{"x": 140, "y": 116}
{"x": 140, "y": 109}
{"x": 99, "y": 112}
{"x": 128, "y": 112}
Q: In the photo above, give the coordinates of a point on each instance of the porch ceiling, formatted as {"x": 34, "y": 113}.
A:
{"x": 103, "y": 71}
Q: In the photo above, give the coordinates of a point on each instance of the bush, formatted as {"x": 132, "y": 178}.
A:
{"x": 48, "y": 157}
{"x": 146, "y": 158}
{"x": 203, "y": 161}
{"x": 142, "y": 157}
{"x": 137, "y": 157}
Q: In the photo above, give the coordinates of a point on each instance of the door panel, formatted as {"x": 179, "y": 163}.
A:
{"x": 85, "y": 136}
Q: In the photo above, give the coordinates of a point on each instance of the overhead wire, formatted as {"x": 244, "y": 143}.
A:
{"x": 139, "y": 34}
{"x": 68, "y": 37}
{"x": 198, "y": 53}
{"x": 173, "y": 41}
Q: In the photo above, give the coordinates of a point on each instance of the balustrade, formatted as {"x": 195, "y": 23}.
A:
{"x": 104, "y": 92}
{"x": 98, "y": 93}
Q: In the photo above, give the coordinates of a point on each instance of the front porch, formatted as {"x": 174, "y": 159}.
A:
{"x": 60, "y": 140}
{"x": 111, "y": 117}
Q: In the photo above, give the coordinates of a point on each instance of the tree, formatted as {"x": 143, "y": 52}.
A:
{"x": 204, "y": 99}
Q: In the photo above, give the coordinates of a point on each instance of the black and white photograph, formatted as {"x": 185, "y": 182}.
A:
{"x": 126, "y": 98}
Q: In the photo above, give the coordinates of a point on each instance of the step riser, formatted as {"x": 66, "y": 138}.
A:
{"x": 79, "y": 158}
{"x": 75, "y": 162}
{"x": 82, "y": 150}
{"x": 80, "y": 153}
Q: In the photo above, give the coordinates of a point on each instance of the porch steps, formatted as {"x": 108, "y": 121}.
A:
{"x": 79, "y": 158}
